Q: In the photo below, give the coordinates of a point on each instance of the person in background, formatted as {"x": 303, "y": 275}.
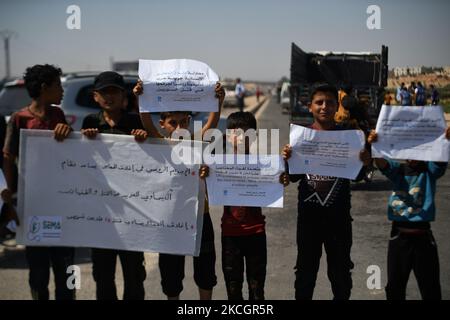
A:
{"x": 420, "y": 95}
{"x": 434, "y": 95}
{"x": 43, "y": 84}
{"x": 240, "y": 94}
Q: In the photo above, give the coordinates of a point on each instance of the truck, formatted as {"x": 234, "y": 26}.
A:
{"x": 364, "y": 72}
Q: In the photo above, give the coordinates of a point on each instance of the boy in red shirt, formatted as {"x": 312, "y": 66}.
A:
{"x": 44, "y": 87}
{"x": 243, "y": 231}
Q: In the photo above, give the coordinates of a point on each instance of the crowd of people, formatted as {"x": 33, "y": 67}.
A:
{"x": 415, "y": 95}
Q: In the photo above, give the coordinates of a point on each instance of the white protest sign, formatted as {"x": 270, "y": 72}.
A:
{"x": 326, "y": 153}
{"x": 177, "y": 85}
{"x": 111, "y": 192}
{"x": 252, "y": 181}
{"x": 414, "y": 133}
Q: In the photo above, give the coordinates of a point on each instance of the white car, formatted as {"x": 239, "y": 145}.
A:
{"x": 230, "y": 99}
{"x": 77, "y": 103}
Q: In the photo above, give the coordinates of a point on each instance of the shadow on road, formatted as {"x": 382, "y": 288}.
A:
{"x": 14, "y": 257}
{"x": 374, "y": 185}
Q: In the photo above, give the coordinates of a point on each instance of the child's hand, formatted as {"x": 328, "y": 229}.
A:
{"x": 447, "y": 133}
{"x": 11, "y": 214}
{"x": 284, "y": 179}
{"x": 138, "y": 88}
{"x": 364, "y": 156}
{"x": 204, "y": 171}
{"x": 6, "y": 196}
{"x": 90, "y": 133}
{"x": 61, "y": 131}
{"x": 140, "y": 135}
{"x": 373, "y": 137}
{"x": 287, "y": 152}
{"x": 220, "y": 92}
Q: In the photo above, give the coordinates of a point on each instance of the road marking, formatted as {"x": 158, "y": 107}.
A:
{"x": 262, "y": 108}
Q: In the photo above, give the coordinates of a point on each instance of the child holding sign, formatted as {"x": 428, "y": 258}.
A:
{"x": 243, "y": 228}
{"x": 411, "y": 209}
{"x": 110, "y": 94}
{"x": 323, "y": 212}
{"x": 172, "y": 266}
{"x": 43, "y": 84}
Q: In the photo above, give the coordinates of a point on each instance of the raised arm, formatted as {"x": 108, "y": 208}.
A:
{"x": 146, "y": 117}
{"x": 380, "y": 162}
{"x": 214, "y": 117}
{"x": 147, "y": 122}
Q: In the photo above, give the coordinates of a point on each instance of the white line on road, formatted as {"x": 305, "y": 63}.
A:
{"x": 262, "y": 108}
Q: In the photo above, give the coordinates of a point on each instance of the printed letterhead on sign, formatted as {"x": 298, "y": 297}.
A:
{"x": 177, "y": 85}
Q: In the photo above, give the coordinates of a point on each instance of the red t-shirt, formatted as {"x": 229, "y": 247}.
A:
{"x": 242, "y": 221}
{"x": 24, "y": 119}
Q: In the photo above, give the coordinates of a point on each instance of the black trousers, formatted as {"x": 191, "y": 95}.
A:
{"x": 336, "y": 237}
{"x": 171, "y": 266}
{"x": 40, "y": 259}
{"x": 240, "y": 102}
{"x": 252, "y": 249}
{"x": 104, "y": 271}
{"x": 413, "y": 252}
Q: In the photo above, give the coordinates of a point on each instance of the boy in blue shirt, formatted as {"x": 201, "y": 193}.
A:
{"x": 411, "y": 209}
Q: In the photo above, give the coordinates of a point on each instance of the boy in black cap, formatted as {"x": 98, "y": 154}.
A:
{"x": 110, "y": 94}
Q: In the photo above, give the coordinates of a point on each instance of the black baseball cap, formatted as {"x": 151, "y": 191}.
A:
{"x": 109, "y": 79}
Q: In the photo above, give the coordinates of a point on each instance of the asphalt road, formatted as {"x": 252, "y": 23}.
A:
{"x": 370, "y": 239}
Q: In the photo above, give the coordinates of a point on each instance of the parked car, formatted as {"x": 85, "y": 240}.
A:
{"x": 13, "y": 97}
{"x": 230, "y": 99}
{"x": 78, "y": 100}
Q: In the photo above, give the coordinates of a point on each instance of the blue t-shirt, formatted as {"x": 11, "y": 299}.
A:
{"x": 406, "y": 97}
{"x": 421, "y": 98}
{"x": 413, "y": 196}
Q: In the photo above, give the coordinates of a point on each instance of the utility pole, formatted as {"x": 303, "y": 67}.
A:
{"x": 6, "y": 35}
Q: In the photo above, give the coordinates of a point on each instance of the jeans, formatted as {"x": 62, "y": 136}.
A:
{"x": 252, "y": 249}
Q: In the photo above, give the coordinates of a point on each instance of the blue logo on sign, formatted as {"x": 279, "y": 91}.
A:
{"x": 159, "y": 98}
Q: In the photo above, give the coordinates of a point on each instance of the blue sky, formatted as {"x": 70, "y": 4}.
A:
{"x": 250, "y": 39}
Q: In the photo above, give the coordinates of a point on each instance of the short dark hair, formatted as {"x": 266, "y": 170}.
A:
{"x": 240, "y": 120}
{"x": 164, "y": 115}
{"x": 39, "y": 74}
{"x": 326, "y": 88}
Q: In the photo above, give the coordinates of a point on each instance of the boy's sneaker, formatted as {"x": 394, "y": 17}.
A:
{"x": 8, "y": 238}
{"x": 10, "y": 242}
